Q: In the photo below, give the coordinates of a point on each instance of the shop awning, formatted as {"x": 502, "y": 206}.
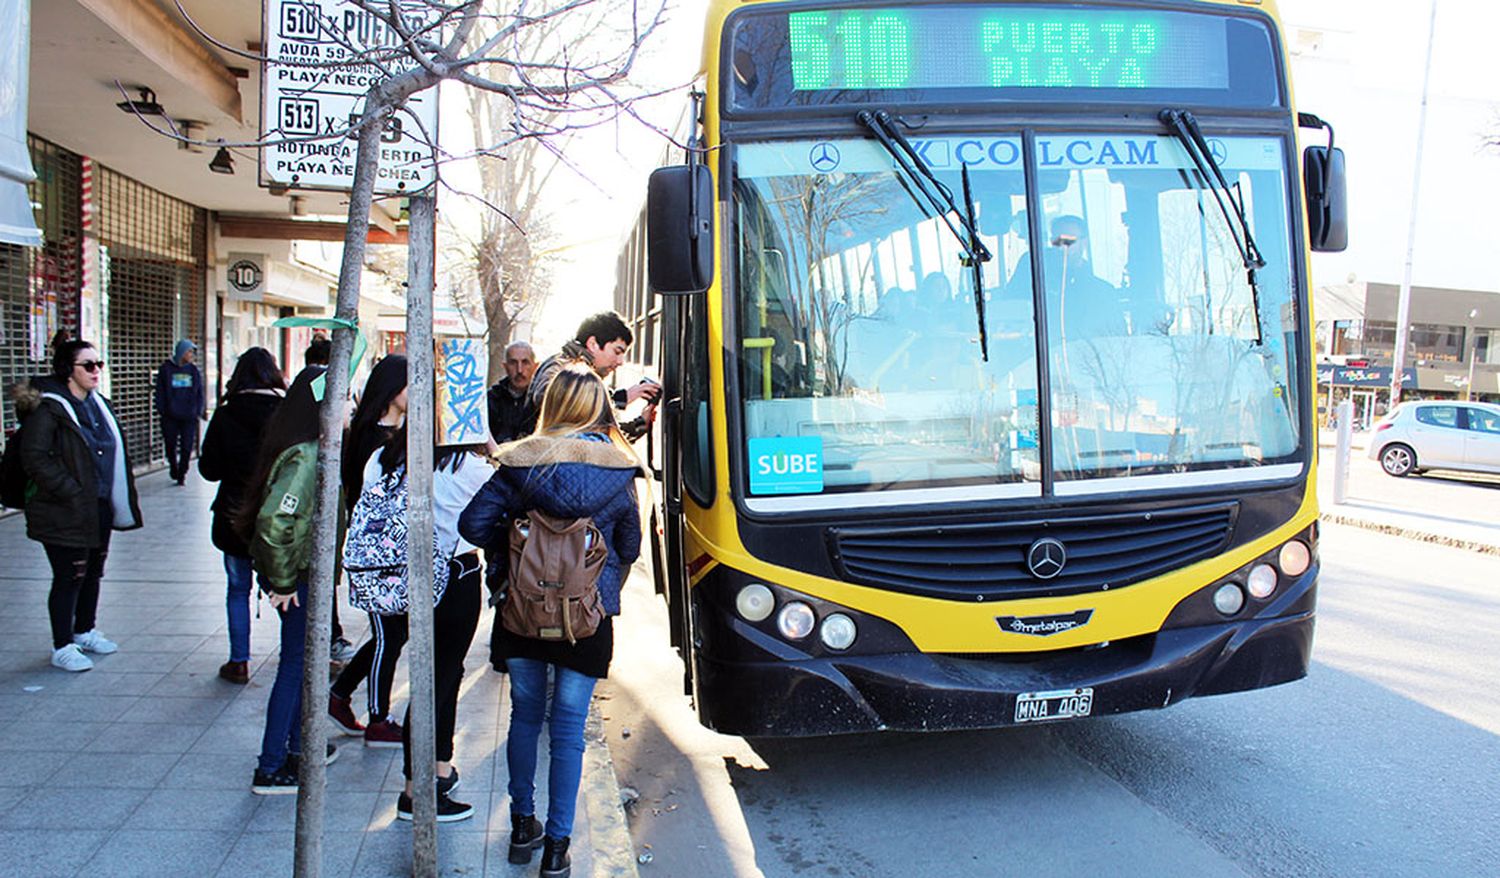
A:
{"x": 17, "y": 222}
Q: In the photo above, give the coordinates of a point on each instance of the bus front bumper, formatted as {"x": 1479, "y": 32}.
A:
{"x": 914, "y": 691}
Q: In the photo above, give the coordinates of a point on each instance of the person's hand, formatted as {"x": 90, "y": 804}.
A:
{"x": 646, "y": 389}
{"x": 491, "y": 447}
{"x": 282, "y": 601}
{"x": 649, "y": 413}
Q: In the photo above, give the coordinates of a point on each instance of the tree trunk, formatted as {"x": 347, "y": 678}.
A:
{"x": 308, "y": 856}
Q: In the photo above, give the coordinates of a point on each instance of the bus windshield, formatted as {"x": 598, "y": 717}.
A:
{"x": 858, "y": 334}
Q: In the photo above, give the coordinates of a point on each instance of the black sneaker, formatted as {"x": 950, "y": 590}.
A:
{"x": 446, "y": 785}
{"x": 448, "y": 811}
{"x": 293, "y": 762}
{"x": 277, "y": 783}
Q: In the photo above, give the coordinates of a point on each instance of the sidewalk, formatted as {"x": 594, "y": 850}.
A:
{"x": 141, "y": 767}
{"x": 1462, "y": 511}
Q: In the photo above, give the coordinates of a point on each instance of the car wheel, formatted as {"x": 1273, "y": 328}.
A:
{"x": 1398, "y": 460}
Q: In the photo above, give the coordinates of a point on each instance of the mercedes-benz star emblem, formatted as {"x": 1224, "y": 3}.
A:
{"x": 824, "y": 157}
{"x": 1218, "y": 151}
{"x": 1046, "y": 557}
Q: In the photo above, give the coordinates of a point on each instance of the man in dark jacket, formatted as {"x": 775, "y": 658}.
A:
{"x": 512, "y": 415}
{"x": 181, "y": 402}
{"x": 601, "y": 342}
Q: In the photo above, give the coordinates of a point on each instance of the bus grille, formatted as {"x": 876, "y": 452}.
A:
{"x": 987, "y": 559}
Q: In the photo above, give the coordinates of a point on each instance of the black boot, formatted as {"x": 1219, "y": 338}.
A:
{"x": 555, "y": 860}
{"x": 525, "y": 837}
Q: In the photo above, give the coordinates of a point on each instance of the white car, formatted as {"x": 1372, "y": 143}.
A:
{"x": 1419, "y": 436}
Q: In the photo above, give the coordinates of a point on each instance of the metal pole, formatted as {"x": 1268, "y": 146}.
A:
{"x": 420, "y": 406}
{"x": 1473, "y": 355}
{"x": 307, "y": 858}
{"x": 1403, "y": 306}
{"x": 1341, "y": 451}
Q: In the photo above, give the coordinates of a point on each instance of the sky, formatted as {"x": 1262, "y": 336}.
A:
{"x": 596, "y": 204}
{"x": 1364, "y": 76}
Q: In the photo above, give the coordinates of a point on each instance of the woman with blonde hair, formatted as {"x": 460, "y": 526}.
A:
{"x": 576, "y": 465}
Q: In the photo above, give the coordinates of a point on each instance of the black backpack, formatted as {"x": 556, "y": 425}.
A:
{"x": 15, "y": 487}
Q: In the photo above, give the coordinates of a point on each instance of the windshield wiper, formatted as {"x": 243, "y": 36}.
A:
{"x": 939, "y": 201}
{"x": 1184, "y": 126}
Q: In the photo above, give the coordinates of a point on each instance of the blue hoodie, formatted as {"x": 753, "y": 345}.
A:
{"x": 568, "y": 477}
{"x": 179, "y": 387}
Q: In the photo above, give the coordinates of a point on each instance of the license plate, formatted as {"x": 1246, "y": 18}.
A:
{"x": 1058, "y": 704}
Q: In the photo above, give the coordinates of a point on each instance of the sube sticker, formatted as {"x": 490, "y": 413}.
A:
{"x": 786, "y": 465}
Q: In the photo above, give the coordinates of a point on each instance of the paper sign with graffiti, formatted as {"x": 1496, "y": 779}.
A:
{"x": 462, "y": 366}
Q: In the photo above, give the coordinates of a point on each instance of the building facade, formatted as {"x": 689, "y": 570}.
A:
{"x": 1452, "y": 349}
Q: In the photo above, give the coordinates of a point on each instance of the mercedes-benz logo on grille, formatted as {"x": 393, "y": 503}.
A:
{"x": 1046, "y": 557}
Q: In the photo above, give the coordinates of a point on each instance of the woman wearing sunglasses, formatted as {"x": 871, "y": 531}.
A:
{"x": 74, "y": 455}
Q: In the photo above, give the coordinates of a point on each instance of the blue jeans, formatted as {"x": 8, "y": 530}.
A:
{"x": 284, "y": 710}
{"x": 528, "y": 707}
{"x": 237, "y": 602}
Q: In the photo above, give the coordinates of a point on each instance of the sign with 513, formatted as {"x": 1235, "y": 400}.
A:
{"x": 313, "y": 91}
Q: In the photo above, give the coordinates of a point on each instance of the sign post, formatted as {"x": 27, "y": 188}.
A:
{"x": 344, "y": 109}
{"x": 419, "y": 524}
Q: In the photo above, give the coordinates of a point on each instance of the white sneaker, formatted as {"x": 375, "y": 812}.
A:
{"x": 71, "y": 658}
{"x": 341, "y": 650}
{"x": 95, "y": 642}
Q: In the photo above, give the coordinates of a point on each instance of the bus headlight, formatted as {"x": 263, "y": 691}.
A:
{"x": 755, "y": 602}
{"x": 795, "y": 621}
{"x": 1262, "y": 581}
{"x": 837, "y": 631}
{"x": 1294, "y": 558}
{"x": 1229, "y": 599}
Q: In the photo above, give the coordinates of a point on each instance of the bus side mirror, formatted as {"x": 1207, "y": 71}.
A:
{"x": 679, "y": 229}
{"x": 1323, "y": 183}
{"x": 1327, "y": 205}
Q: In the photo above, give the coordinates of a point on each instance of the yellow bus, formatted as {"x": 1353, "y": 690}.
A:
{"x": 986, "y": 341}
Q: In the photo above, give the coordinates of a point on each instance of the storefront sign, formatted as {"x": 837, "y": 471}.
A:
{"x": 315, "y": 84}
{"x": 245, "y": 277}
{"x": 1367, "y": 376}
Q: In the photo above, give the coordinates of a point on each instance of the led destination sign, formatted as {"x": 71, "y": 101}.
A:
{"x": 1004, "y": 47}
{"x": 980, "y": 52}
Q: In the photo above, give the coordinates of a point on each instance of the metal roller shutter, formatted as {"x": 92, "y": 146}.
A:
{"x": 153, "y": 260}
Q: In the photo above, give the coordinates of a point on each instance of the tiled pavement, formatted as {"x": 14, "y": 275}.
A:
{"x": 141, "y": 767}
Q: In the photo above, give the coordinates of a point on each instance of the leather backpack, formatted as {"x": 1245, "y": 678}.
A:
{"x": 553, "y": 591}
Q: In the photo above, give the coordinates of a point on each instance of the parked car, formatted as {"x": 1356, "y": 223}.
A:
{"x": 1418, "y": 436}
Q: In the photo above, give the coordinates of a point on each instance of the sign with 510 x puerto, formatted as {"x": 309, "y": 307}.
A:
{"x": 321, "y": 56}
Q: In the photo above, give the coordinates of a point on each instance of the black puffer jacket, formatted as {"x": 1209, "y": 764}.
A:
{"x": 231, "y": 447}
{"x": 56, "y": 457}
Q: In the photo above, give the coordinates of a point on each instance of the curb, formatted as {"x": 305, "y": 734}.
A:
{"x": 1413, "y": 534}
{"x": 613, "y": 851}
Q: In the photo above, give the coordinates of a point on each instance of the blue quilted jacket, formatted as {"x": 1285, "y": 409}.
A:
{"x": 569, "y": 477}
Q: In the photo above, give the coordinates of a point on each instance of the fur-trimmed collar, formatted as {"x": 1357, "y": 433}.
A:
{"x": 26, "y": 396}
{"x": 546, "y": 450}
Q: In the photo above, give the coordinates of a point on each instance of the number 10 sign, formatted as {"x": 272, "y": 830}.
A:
{"x": 319, "y": 68}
